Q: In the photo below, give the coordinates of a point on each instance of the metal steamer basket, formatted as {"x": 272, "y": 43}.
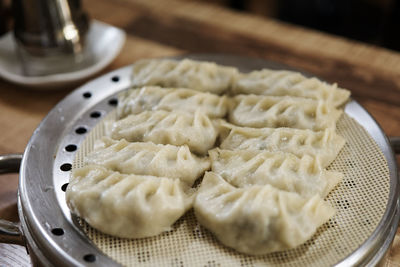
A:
{"x": 360, "y": 234}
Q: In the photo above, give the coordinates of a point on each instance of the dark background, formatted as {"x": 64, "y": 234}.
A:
{"x": 372, "y": 21}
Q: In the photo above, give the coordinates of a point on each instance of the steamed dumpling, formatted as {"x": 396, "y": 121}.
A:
{"x": 245, "y": 168}
{"x": 148, "y": 159}
{"x": 122, "y": 205}
{"x": 290, "y": 83}
{"x": 324, "y": 145}
{"x": 162, "y": 127}
{"x": 258, "y": 219}
{"x": 198, "y": 75}
{"x": 134, "y": 101}
{"x": 275, "y": 111}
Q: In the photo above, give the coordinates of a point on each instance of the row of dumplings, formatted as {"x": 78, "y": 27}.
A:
{"x": 275, "y": 132}
{"x": 217, "y": 79}
{"x": 151, "y": 113}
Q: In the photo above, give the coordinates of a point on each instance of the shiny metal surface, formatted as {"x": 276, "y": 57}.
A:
{"x": 53, "y": 145}
{"x": 49, "y": 31}
{"x": 42, "y": 199}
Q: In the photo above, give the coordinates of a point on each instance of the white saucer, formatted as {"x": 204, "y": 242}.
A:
{"x": 104, "y": 42}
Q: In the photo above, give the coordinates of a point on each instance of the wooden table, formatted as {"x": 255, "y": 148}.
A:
{"x": 164, "y": 28}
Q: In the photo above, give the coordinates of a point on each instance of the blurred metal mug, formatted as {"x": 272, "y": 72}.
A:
{"x": 50, "y": 35}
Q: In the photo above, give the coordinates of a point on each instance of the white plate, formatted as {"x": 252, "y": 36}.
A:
{"x": 104, "y": 42}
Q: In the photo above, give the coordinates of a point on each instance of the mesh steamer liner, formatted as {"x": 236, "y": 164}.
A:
{"x": 361, "y": 232}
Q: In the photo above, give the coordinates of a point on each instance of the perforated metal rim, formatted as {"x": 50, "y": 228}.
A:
{"x": 42, "y": 203}
{"x": 42, "y": 200}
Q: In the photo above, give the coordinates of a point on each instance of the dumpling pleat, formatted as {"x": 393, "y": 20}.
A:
{"x": 148, "y": 159}
{"x": 273, "y": 111}
{"x": 245, "y": 168}
{"x": 281, "y": 83}
{"x": 130, "y": 206}
{"x": 258, "y": 219}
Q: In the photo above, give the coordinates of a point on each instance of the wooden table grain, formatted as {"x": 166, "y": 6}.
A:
{"x": 160, "y": 28}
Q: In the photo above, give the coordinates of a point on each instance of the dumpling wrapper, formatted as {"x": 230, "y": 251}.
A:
{"x": 285, "y": 171}
{"x": 162, "y": 127}
{"x": 276, "y": 111}
{"x": 135, "y": 101}
{"x": 259, "y": 219}
{"x": 289, "y": 83}
{"x": 128, "y": 206}
{"x": 148, "y": 159}
{"x": 198, "y": 75}
{"x": 324, "y": 145}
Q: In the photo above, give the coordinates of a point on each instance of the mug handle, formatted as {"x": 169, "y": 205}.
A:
{"x": 10, "y": 232}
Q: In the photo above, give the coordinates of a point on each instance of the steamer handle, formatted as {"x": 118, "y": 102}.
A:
{"x": 10, "y": 232}
{"x": 395, "y": 143}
